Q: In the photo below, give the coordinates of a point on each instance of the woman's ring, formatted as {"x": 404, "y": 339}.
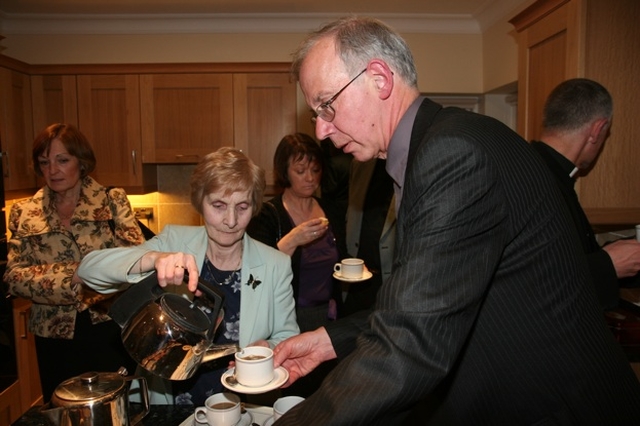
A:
{"x": 315, "y": 233}
{"x": 179, "y": 266}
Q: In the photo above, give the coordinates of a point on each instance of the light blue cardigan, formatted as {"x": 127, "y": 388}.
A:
{"x": 266, "y": 311}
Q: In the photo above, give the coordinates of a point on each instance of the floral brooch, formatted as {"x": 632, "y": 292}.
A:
{"x": 253, "y": 282}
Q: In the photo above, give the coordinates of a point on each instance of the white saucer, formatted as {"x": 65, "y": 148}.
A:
{"x": 245, "y": 420}
{"x": 365, "y": 276}
{"x": 270, "y": 421}
{"x": 280, "y": 376}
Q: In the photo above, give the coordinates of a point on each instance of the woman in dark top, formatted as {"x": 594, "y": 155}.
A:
{"x": 295, "y": 222}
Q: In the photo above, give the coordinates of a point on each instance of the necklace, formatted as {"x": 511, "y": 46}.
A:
{"x": 213, "y": 271}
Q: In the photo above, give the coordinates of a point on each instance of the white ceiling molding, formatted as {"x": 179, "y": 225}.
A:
{"x": 46, "y": 24}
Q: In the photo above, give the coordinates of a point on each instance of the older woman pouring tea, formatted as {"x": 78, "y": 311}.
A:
{"x": 226, "y": 189}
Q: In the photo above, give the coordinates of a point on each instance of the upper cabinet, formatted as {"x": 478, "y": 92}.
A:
{"x": 16, "y": 135}
{"x": 140, "y": 115}
{"x": 600, "y": 40}
{"x": 109, "y": 116}
{"x": 264, "y": 108}
{"x": 185, "y": 116}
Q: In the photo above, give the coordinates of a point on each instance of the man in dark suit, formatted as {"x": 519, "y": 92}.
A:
{"x": 488, "y": 314}
{"x": 576, "y": 120}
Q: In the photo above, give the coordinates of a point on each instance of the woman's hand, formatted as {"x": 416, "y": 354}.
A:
{"x": 303, "y": 234}
{"x": 171, "y": 268}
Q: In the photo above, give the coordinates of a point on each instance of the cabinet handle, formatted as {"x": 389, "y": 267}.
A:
{"x": 133, "y": 158}
{"x": 179, "y": 156}
{"x": 23, "y": 319}
{"x": 5, "y": 163}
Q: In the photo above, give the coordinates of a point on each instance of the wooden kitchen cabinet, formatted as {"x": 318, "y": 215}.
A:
{"x": 28, "y": 374}
{"x": 600, "y": 40}
{"x": 16, "y": 133}
{"x": 109, "y": 116}
{"x": 264, "y": 111}
{"x": 54, "y": 99}
{"x": 186, "y": 116}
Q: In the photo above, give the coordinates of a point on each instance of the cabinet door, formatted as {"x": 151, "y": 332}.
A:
{"x": 54, "y": 100}
{"x": 548, "y": 54}
{"x": 10, "y": 408}
{"x": 28, "y": 374}
{"x": 109, "y": 116}
{"x": 185, "y": 116}
{"x": 264, "y": 107}
{"x": 15, "y": 131}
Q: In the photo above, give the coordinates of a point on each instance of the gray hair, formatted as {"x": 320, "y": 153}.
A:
{"x": 358, "y": 41}
{"x": 574, "y": 103}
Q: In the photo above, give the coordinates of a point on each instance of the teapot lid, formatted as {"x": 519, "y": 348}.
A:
{"x": 88, "y": 387}
{"x": 185, "y": 313}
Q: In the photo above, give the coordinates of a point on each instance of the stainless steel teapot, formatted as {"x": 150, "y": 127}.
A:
{"x": 96, "y": 399}
{"x": 167, "y": 334}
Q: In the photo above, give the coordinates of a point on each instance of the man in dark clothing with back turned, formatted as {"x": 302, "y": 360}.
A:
{"x": 576, "y": 121}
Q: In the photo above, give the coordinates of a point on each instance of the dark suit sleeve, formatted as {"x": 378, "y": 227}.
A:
{"x": 452, "y": 230}
{"x": 605, "y": 279}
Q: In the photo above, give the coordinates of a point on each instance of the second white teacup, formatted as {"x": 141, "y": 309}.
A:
{"x": 284, "y": 404}
{"x": 350, "y": 268}
{"x": 254, "y": 366}
{"x": 220, "y": 409}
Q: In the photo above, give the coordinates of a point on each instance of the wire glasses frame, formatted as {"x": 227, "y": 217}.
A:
{"x": 324, "y": 110}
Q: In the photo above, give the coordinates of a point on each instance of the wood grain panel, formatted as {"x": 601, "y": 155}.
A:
{"x": 264, "y": 112}
{"x": 186, "y": 116}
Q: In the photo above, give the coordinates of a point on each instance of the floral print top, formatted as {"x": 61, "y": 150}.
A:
{"x": 43, "y": 254}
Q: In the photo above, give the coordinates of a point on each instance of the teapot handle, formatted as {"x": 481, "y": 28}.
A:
{"x": 214, "y": 295}
{"x": 144, "y": 391}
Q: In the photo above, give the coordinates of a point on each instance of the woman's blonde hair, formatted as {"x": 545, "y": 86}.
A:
{"x": 229, "y": 170}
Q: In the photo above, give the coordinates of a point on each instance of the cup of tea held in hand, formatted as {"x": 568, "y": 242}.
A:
{"x": 350, "y": 268}
{"x": 220, "y": 409}
{"x": 284, "y": 404}
{"x": 254, "y": 366}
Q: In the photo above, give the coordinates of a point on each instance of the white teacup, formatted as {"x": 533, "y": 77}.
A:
{"x": 350, "y": 268}
{"x": 254, "y": 366}
{"x": 220, "y": 409}
{"x": 284, "y": 404}
{"x": 638, "y": 233}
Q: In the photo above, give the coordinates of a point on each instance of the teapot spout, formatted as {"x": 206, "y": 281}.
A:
{"x": 219, "y": 351}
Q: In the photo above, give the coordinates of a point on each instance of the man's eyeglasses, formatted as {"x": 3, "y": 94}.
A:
{"x": 324, "y": 110}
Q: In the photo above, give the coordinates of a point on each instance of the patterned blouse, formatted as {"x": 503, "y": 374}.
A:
{"x": 43, "y": 254}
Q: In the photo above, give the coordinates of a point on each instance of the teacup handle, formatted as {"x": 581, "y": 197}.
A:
{"x": 201, "y": 415}
{"x": 337, "y": 267}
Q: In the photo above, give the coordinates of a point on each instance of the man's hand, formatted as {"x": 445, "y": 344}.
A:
{"x": 301, "y": 354}
{"x": 625, "y": 255}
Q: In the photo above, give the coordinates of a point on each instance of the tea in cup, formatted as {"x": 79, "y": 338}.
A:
{"x": 254, "y": 366}
{"x": 284, "y": 404}
{"x": 350, "y": 268}
{"x": 220, "y": 409}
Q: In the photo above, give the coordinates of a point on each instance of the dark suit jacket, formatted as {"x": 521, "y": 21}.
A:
{"x": 603, "y": 272}
{"x": 489, "y": 313}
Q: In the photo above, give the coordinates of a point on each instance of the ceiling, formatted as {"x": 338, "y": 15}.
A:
{"x": 25, "y": 16}
{"x": 457, "y": 7}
